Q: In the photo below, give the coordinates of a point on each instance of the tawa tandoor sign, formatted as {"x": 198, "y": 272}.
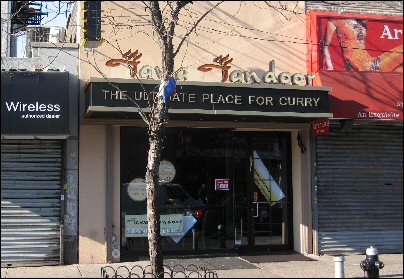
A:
{"x": 221, "y": 63}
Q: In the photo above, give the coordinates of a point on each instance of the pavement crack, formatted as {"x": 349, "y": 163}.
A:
{"x": 81, "y": 274}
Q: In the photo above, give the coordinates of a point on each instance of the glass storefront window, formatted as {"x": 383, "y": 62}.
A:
{"x": 219, "y": 190}
{"x": 194, "y": 216}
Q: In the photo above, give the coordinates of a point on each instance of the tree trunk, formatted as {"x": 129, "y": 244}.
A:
{"x": 157, "y": 122}
{"x": 156, "y": 133}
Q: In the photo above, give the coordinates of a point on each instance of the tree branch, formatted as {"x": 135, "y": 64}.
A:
{"x": 193, "y": 27}
{"x": 157, "y": 19}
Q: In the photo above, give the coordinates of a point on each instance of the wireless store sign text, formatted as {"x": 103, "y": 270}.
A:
{"x": 34, "y": 103}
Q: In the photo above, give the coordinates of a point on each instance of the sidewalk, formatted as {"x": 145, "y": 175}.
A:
{"x": 323, "y": 267}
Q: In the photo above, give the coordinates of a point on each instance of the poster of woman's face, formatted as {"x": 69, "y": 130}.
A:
{"x": 353, "y": 44}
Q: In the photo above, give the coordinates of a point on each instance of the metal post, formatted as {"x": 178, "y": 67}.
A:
{"x": 61, "y": 237}
{"x": 339, "y": 267}
{"x": 194, "y": 239}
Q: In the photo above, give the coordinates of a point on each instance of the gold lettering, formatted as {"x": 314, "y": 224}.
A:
{"x": 105, "y": 93}
{"x": 221, "y": 99}
{"x": 260, "y": 100}
{"x": 300, "y": 101}
{"x": 182, "y": 74}
{"x": 236, "y": 76}
{"x": 138, "y": 96}
{"x": 176, "y": 98}
{"x": 284, "y": 77}
{"x": 270, "y": 77}
{"x": 182, "y": 97}
{"x": 309, "y": 78}
{"x": 115, "y": 95}
{"x": 230, "y": 97}
{"x": 291, "y": 103}
{"x": 146, "y": 72}
{"x": 191, "y": 98}
{"x": 268, "y": 100}
{"x": 282, "y": 101}
{"x": 251, "y": 76}
{"x": 122, "y": 95}
{"x": 297, "y": 79}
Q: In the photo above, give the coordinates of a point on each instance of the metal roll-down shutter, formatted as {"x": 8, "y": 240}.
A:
{"x": 31, "y": 176}
{"x": 360, "y": 189}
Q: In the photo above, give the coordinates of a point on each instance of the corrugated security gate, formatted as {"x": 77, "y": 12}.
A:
{"x": 360, "y": 189}
{"x": 30, "y": 202}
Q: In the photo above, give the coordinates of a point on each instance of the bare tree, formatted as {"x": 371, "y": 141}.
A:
{"x": 157, "y": 118}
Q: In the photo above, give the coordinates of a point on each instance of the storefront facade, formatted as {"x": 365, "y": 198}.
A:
{"x": 39, "y": 161}
{"x": 238, "y": 144}
{"x": 230, "y": 178}
{"x": 358, "y": 180}
{"x": 244, "y": 166}
{"x": 34, "y": 130}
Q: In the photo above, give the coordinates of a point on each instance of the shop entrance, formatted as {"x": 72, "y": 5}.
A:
{"x": 226, "y": 190}
{"x": 262, "y": 208}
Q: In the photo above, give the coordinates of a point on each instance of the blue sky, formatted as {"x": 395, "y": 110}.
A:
{"x": 55, "y": 17}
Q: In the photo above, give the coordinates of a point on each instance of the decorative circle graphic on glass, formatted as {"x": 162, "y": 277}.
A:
{"x": 166, "y": 172}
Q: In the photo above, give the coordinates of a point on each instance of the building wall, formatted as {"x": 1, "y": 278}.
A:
{"x": 355, "y": 94}
{"x": 301, "y": 181}
{"x": 5, "y": 28}
{"x": 259, "y": 35}
{"x": 73, "y": 25}
{"x": 61, "y": 57}
{"x": 93, "y": 191}
{"x": 99, "y": 193}
{"x": 252, "y": 35}
{"x": 115, "y": 192}
{"x": 66, "y": 60}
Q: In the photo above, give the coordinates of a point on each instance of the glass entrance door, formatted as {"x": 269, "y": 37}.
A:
{"x": 261, "y": 190}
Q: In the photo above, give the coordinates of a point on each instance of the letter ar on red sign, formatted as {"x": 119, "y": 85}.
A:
{"x": 320, "y": 127}
{"x": 222, "y": 184}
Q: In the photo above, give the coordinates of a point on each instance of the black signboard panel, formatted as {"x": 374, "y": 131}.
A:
{"x": 34, "y": 103}
{"x": 213, "y": 99}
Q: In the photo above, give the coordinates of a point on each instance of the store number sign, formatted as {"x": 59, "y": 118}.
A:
{"x": 321, "y": 127}
{"x": 222, "y": 184}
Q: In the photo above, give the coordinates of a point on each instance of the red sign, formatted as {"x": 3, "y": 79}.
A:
{"x": 222, "y": 184}
{"x": 354, "y": 44}
{"x": 321, "y": 127}
{"x": 361, "y": 58}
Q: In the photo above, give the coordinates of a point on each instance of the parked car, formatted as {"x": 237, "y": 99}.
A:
{"x": 176, "y": 200}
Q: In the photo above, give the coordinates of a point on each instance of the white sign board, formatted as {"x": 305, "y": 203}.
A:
{"x": 136, "y": 225}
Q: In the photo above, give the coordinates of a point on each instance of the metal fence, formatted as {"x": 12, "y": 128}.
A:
{"x": 176, "y": 271}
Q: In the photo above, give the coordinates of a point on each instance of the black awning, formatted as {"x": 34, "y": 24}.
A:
{"x": 212, "y": 101}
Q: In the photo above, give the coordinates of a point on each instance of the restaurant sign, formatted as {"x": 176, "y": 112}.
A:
{"x": 211, "y": 98}
{"x": 221, "y": 63}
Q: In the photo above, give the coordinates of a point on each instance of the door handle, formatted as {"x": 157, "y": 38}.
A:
{"x": 252, "y": 209}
